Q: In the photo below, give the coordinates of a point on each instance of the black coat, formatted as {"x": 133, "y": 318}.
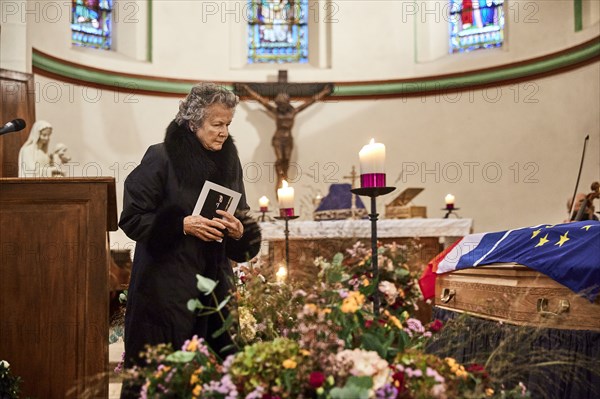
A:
{"x": 158, "y": 194}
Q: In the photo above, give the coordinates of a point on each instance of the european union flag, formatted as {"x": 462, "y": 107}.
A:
{"x": 568, "y": 253}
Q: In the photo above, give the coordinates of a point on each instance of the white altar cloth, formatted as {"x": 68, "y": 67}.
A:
{"x": 386, "y": 228}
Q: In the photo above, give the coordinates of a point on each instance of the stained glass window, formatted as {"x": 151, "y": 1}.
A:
{"x": 277, "y": 31}
{"x": 476, "y": 24}
{"x": 91, "y": 23}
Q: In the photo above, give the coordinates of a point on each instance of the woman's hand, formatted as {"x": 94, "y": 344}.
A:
{"x": 235, "y": 228}
{"x": 203, "y": 228}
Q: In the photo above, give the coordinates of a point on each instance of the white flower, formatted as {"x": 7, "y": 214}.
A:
{"x": 389, "y": 290}
{"x": 5, "y": 364}
{"x": 365, "y": 364}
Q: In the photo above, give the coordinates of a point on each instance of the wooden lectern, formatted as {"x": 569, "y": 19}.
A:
{"x": 54, "y": 291}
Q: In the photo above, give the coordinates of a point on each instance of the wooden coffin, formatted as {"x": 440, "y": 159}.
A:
{"x": 517, "y": 295}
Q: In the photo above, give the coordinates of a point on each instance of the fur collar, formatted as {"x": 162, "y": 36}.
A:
{"x": 193, "y": 164}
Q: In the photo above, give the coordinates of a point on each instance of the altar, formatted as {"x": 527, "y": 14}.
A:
{"x": 311, "y": 239}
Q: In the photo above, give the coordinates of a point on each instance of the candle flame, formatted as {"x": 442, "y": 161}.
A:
{"x": 263, "y": 201}
{"x": 284, "y": 184}
{"x": 281, "y": 273}
{"x": 372, "y": 142}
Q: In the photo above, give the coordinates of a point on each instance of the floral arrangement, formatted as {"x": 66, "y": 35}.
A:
{"x": 322, "y": 340}
{"x": 9, "y": 384}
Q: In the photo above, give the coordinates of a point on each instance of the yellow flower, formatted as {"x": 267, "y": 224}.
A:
{"x": 194, "y": 379}
{"x": 310, "y": 308}
{"x": 192, "y": 346}
{"x": 451, "y": 362}
{"x": 304, "y": 352}
{"x": 365, "y": 282}
{"x": 289, "y": 364}
{"x": 489, "y": 392}
{"x": 396, "y": 322}
{"x": 462, "y": 373}
{"x": 196, "y": 391}
{"x": 352, "y": 302}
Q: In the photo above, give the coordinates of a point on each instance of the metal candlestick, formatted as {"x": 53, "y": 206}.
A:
{"x": 263, "y": 212}
{"x": 374, "y": 192}
{"x": 287, "y": 238}
{"x": 450, "y": 211}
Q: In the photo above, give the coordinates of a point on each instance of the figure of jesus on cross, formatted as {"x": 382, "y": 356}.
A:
{"x": 284, "y": 113}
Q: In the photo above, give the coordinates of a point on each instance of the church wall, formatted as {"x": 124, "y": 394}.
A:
{"x": 510, "y": 154}
{"x": 373, "y": 40}
{"x": 531, "y": 133}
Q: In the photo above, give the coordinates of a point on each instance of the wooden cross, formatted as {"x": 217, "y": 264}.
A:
{"x": 276, "y": 98}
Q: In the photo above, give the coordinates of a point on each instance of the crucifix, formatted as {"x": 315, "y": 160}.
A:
{"x": 353, "y": 177}
{"x": 276, "y": 98}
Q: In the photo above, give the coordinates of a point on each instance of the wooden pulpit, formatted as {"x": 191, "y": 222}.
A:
{"x": 54, "y": 292}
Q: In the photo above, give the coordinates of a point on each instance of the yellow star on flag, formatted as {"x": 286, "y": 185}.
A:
{"x": 543, "y": 240}
{"x": 535, "y": 233}
{"x": 587, "y": 228}
{"x": 563, "y": 239}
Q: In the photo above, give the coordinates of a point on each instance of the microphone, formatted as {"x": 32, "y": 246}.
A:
{"x": 13, "y": 126}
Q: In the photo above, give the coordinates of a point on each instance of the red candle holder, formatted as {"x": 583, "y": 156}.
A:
{"x": 369, "y": 180}
{"x": 286, "y": 212}
{"x": 264, "y": 209}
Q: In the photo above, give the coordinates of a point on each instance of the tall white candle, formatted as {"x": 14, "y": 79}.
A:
{"x": 372, "y": 158}
{"x": 449, "y": 199}
{"x": 285, "y": 196}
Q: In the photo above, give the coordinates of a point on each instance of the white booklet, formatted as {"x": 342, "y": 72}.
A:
{"x": 213, "y": 197}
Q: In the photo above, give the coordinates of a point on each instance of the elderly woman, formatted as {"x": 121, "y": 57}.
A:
{"x": 172, "y": 245}
{"x": 33, "y": 156}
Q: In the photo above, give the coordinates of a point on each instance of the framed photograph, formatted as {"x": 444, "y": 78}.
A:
{"x": 214, "y": 197}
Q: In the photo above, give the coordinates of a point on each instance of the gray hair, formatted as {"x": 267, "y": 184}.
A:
{"x": 192, "y": 110}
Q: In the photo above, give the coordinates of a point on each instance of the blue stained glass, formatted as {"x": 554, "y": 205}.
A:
{"x": 277, "y": 31}
{"x": 91, "y": 23}
{"x": 476, "y": 24}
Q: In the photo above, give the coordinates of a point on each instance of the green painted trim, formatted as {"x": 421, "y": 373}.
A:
{"x": 578, "y": 8}
{"x": 471, "y": 80}
{"x": 149, "y": 33}
{"x": 399, "y": 88}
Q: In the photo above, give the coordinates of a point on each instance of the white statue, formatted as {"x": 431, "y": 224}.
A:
{"x": 34, "y": 157}
{"x": 58, "y": 158}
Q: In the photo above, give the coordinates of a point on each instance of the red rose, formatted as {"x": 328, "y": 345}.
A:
{"x": 398, "y": 378}
{"x": 368, "y": 323}
{"x": 316, "y": 379}
{"x": 477, "y": 369}
{"x": 436, "y": 325}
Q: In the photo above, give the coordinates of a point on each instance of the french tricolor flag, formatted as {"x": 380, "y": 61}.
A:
{"x": 568, "y": 253}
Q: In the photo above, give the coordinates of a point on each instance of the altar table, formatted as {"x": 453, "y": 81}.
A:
{"x": 310, "y": 239}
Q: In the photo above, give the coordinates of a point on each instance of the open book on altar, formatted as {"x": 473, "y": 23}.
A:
{"x": 215, "y": 197}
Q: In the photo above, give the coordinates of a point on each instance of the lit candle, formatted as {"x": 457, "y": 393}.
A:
{"x": 281, "y": 274}
{"x": 449, "y": 201}
{"x": 372, "y": 165}
{"x": 263, "y": 202}
{"x": 285, "y": 196}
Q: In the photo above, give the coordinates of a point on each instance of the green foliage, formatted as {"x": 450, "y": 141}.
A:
{"x": 320, "y": 338}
